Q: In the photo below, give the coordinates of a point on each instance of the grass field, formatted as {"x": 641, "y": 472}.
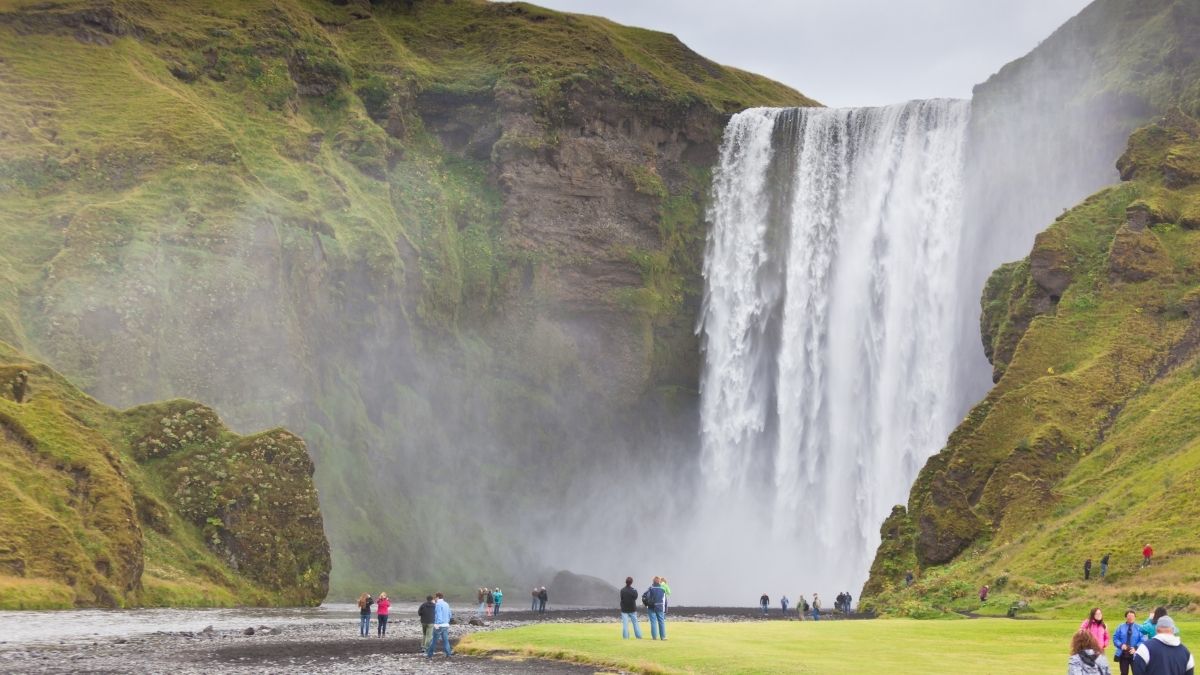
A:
{"x": 893, "y": 646}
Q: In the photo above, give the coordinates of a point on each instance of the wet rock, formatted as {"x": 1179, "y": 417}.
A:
{"x": 476, "y": 621}
{"x": 577, "y": 589}
{"x": 248, "y": 631}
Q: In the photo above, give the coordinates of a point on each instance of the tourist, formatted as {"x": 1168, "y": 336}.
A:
{"x": 816, "y": 607}
{"x": 364, "y": 614}
{"x": 783, "y": 602}
{"x": 1126, "y": 639}
{"x": 662, "y": 581}
{"x": 441, "y": 626}
{"x": 497, "y": 598}
{"x": 629, "y": 596}
{"x": 849, "y": 601}
{"x": 483, "y": 603}
{"x": 1094, "y": 624}
{"x": 983, "y": 593}
{"x": 1104, "y": 565}
{"x": 1147, "y": 554}
{"x": 837, "y": 602}
{"x": 763, "y": 602}
{"x": 381, "y": 612}
{"x": 1150, "y": 627}
{"x": 426, "y": 612}
{"x": 543, "y": 598}
{"x": 908, "y": 578}
{"x": 1086, "y": 656}
{"x": 490, "y": 599}
{"x": 1164, "y": 654}
{"x": 655, "y": 599}
{"x": 534, "y": 605}
{"x": 1087, "y": 569}
{"x": 803, "y": 606}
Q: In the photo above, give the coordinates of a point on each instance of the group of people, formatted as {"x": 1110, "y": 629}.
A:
{"x": 1147, "y": 555}
{"x": 540, "y": 597}
{"x": 489, "y": 601}
{"x": 382, "y": 608}
{"x": 842, "y": 603}
{"x": 654, "y": 599}
{"x": 1149, "y": 648}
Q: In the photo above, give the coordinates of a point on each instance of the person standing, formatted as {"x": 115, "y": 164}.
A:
{"x": 490, "y": 599}
{"x": 441, "y": 626}
{"x": 816, "y": 607}
{"x": 482, "y": 611}
{"x": 662, "y": 581}
{"x": 381, "y": 613}
{"x": 1095, "y": 625}
{"x": 1147, "y": 554}
{"x": 783, "y": 602}
{"x": 983, "y": 592}
{"x": 534, "y": 603}
{"x": 497, "y": 598}
{"x": 802, "y": 608}
{"x": 656, "y": 601}
{"x": 1126, "y": 639}
{"x": 1087, "y": 569}
{"x": 426, "y": 612}
{"x": 364, "y": 614}
{"x": 1086, "y": 656}
{"x": 1104, "y": 565}
{"x": 629, "y": 596}
{"x": 764, "y": 602}
{"x": 543, "y": 598}
{"x": 1149, "y": 628}
{"x": 1164, "y": 654}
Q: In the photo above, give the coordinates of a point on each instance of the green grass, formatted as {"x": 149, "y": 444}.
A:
{"x": 892, "y": 646}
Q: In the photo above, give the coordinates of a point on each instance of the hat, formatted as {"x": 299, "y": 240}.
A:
{"x": 1165, "y": 622}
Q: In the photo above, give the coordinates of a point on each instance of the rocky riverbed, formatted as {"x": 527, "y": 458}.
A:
{"x": 248, "y": 641}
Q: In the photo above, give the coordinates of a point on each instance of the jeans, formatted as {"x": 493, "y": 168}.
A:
{"x": 816, "y": 614}
{"x": 784, "y": 607}
{"x": 533, "y": 607}
{"x": 496, "y": 609}
{"x": 426, "y": 635}
{"x": 382, "y": 624}
{"x": 1103, "y": 569}
{"x": 364, "y": 625}
{"x": 541, "y": 606}
{"x": 630, "y": 618}
{"x": 658, "y": 624}
{"x": 764, "y": 609}
{"x": 442, "y": 633}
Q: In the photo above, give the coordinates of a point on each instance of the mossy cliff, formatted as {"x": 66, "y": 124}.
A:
{"x": 158, "y": 505}
{"x": 454, "y": 245}
{"x": 1088, "y": 443}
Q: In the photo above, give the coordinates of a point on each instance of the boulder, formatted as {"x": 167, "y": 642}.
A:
{"x": 569, "y": 588}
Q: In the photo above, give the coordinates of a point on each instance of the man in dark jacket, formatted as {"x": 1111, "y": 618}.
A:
{"x": 425, "y": 611}
{"x": 1163, "y": 654}
{"x": 543, "y": 597}
{"x": 764, "y": 602}
{"x": 629, "y": 597}
{"x": 655, "y": 600}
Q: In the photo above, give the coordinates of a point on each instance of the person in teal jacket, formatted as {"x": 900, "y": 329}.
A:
{"x": 497, "y": 598}
{"x": 1150, "y": 627}
{"x": 1125, "y": 640}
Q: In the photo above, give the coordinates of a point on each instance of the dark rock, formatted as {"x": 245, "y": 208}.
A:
{"x": 248, "y": 631}
{"x": 476, "y": 621}
{"x": 569, "y": 588}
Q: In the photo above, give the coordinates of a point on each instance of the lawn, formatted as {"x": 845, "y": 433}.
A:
{"x": 976, "y": 646}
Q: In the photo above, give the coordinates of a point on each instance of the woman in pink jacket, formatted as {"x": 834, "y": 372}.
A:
{"x": 383, "y": 608}
{"x": 1095, "y": 626}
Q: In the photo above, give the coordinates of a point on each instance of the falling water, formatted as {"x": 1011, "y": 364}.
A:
{"x": 828, "y": 321}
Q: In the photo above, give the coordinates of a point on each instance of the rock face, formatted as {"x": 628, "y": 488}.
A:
{"x": 569, "y": 588}
{"x": 157, "y": 505}
{"x": 443, "y": 241}
{"x": 1094, "y": 338}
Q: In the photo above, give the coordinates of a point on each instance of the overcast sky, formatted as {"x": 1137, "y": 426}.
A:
{"x": 851, "y": 52}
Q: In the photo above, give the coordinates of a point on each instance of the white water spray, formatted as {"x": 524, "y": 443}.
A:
{"x": 829, "y": 324}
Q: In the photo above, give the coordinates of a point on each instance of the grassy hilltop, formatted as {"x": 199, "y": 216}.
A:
{"x": 157, "y": 505}
{"x": 443, "y": 241}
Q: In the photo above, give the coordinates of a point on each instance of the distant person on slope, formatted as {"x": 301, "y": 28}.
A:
{"x": 441, "y": 626}
{"x": 764, "y": 602}
{"x": 1094, "y": 625}
{"x": 655, "y": 599}
{"x": 1147, "y": 554}
{"x": 629, "y": 597}
{"x": 1126, "y": 639}
{"x": 381, "y": 612}
{"x": 908, "y": 578}
{"x": 543, "y": 598}
{"x": 364, "y": 614}
{"x": 425, "y": 612}
{"x": 1104, "y": 565}
{"x": 1087, "y": 569}
{"x": 1164, "y": 654}
{"x": 783, "y": 602}
{"x": 497, "y": 598}
{"x": 1086, "y": 656}
{"x": 983, "y": 593}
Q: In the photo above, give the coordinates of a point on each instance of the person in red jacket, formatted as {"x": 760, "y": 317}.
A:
{"x": 382, "y": 607}
{"x": 1147, "y": 553}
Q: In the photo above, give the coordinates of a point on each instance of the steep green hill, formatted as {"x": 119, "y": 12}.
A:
{"x": 454, "y": 245}
{"x": 1090, "y": 441}
{"x": 157, "y": 505}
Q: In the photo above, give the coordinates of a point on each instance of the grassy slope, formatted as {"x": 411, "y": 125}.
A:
{"x": 92, "y": 515}
{"x": 895, "y": 646}
{"x": 1090, "y": 441}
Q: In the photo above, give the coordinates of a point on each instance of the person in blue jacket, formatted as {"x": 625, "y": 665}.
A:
{"x": 1125, "y": 640}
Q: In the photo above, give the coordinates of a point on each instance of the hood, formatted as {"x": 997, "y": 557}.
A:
{"x": 1171, "y": 640}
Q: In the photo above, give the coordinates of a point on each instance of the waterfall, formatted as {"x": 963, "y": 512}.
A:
{"x": 829, "y": 320}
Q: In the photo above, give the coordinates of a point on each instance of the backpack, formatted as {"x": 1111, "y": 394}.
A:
{"x": 646, "y": 599}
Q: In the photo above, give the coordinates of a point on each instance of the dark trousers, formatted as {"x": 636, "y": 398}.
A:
{"x": 1126, "y": 664}
{"x": 541, "y": 606}
{"x": 382, "y": 624}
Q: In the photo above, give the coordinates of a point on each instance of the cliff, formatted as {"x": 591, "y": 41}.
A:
{"x": 1087, "y": 444}
{"x": 154, "y": 506}
{"x": 449, "y": 243}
